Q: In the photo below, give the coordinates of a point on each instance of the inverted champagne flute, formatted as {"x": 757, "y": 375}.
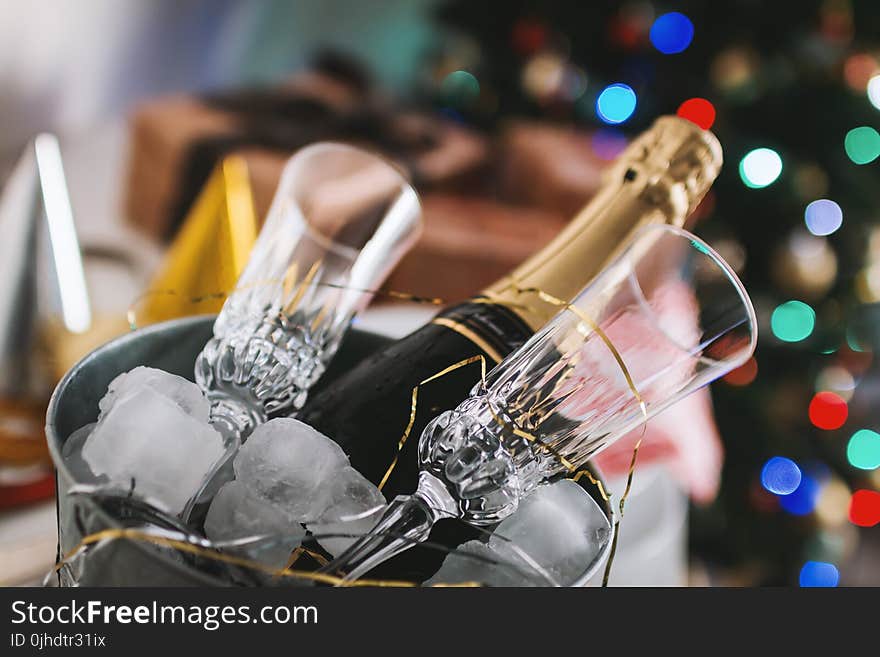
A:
{"x": 663, "y": 319}
{"x": 340, "y": 221}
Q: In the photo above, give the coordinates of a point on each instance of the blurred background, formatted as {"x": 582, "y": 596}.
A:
{"x": 505, "y": 114}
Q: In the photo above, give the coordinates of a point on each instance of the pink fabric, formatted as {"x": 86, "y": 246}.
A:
{"x": 683, "y": 436}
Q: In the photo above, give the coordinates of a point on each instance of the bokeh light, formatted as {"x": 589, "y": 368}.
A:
{"x": 855, "y": 361}
{"x": 744, "y": 374}
{"x": 616, "y": 103}
{"x": 862, "y": 144}
{"x": 672, "y": 33}
{"x": 608, "y": 143}
{"x": 780, "y": 475}
{"x": 832, "y": 504}
{"x": 734, "y": 72}
{"x": 792, "y": 321}
{"x": 731, "y": 250}
{"x": 819, "y": 574}
{"x": 864, "y": 508}
{"x": 874, "y": 91}
{"x": 838, "y": 380}
{"x": 823, "y": 217}
{"x": 828, "y": 410}
{"x": 460, "y": 89}
{"x": 837, "y": 22}
{"x": 874, "y": 478}
{"x": 863, "y": 449}
{"x": 802, "y": 501}
{"x": 858, "y": 70}
{"x": 631, "y": 26}
{"x": 868, "y": 284}
{"x": 830, "y": 545}
{"x": 856, "y": 340}
{"x": 804, "y": 266}
{"x": 699, "y": 111}
{"x": 760, "y": 167}
{"x": 550, "y": 77}
{"x": 809, "y": 181}
{"x": 528, "y": 36}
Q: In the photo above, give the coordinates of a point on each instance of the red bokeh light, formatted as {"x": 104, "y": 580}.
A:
{"x": 528, "y": 36}
{"x": 858, "y": 69}
{"x": 828, "y": 410}
{"x": 744, "y": 374}
{"x": 864, "y": 508}
{"x": 699, "y": 111}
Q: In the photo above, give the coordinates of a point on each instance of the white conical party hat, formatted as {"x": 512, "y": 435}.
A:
{"x": 41, "y": 269}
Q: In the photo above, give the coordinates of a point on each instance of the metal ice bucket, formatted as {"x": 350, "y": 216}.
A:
{"x": 171, "y": 346}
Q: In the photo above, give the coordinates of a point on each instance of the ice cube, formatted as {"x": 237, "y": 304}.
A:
{"x": 478, "y": 563}
{"x": 71, "y": 452}
{"x": 185, "y": 394}
{"x": 353, "y": 507}
{"x": 147, "y": 438}
{"x": 237, "y": 512}
{"x": 559, "y": 527}
{"x": 287, "y": 462}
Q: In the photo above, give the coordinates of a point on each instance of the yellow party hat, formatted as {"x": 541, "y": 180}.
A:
{"x": 210, "y": 251}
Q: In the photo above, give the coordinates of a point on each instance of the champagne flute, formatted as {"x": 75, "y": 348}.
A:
{"x": 340, "y": 221}
{"x": 663, "y": 319}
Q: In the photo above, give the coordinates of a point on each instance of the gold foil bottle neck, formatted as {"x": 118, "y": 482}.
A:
{"x": 660, "y": 177}
{"x": 673, "y": 151}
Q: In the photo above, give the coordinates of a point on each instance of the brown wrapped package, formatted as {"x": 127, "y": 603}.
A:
{"x": 160, "y": 132}
{"x": 468, "y": 243}
{"x": 548, "y": 166}
{"x": 176, "y": 142}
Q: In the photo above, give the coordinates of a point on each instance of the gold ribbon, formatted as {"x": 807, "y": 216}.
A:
{"x": 132, "y": 314}
{"x": 414, "y": 402}
{"x": 114, "y": 534}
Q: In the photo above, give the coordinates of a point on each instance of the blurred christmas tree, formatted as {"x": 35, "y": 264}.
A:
{"x": 792, "y": 89}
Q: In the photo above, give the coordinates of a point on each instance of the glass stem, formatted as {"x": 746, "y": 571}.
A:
{"x": 234, "y": 418}
{"x": 407, "y": 521}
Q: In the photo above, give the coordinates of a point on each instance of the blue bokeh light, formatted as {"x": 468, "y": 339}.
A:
{"x": 823, "y": 217}
{"x": 802, "y": 500}
{"x": 819, "y": 574}
{"x": 616, "y": 103}
{"x": 672, "y": 33}
{"x": 780, "y": 475}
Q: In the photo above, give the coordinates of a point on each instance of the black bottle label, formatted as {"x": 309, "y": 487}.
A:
{"x": 367, "y": 409}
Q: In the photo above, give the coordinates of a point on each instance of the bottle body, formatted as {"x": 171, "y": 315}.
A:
{"x": 367, "y": 410}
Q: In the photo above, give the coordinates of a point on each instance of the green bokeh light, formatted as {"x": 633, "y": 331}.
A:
{"x": 862, "y": 144}
{"x": 863, "y": 450}
{"x": 460, "y": 89}
{"x": 792, "y": 321}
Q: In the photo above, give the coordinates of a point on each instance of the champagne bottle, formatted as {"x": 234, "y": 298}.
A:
{"x": 660, "y": 177}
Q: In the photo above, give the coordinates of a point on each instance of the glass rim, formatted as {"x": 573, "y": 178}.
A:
{"x": 731, "y": 276}
{"x": 403, "y": 178}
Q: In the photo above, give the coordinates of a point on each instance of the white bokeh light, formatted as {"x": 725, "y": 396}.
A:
{"x": 760, "y": 167}
{"x": 874, "y": 91}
